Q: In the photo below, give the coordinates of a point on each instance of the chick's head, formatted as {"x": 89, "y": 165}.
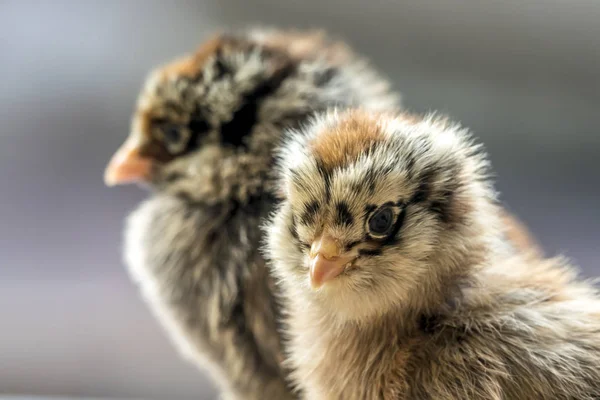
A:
{"x": 232, "y": 98}
{"x": 380, "y": 211}
{"x": 210, "y": 99}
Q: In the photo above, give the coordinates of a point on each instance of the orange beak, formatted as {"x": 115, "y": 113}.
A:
{"x": 127, "y": 165}
{"x": 326, "y": 261}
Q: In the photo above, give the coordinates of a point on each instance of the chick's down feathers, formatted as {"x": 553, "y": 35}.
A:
{"x": 398, "y": 278}
{"x": 202, "y": 138}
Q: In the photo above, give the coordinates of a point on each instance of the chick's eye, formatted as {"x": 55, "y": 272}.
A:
{"x": 380, "y": 223}
{"x": 171, "y": 133}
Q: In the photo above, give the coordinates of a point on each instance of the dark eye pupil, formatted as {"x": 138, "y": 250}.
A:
{"x": 381, "y": 221}
{"x": 172, "y": 134}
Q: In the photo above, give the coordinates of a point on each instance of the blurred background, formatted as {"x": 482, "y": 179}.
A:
{"x": 523, "y": 74}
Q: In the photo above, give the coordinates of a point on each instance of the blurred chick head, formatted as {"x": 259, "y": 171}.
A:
{"x": 234, "y": 96}
{"x": 380, "y": 212}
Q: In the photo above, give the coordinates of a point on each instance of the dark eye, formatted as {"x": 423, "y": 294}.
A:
{"x": 381, "y": 222}
{"x": 172, "y": 133}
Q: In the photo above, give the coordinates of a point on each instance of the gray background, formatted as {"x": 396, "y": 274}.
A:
{"x": 525, "y": 75}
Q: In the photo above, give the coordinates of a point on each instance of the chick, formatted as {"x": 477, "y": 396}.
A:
{"x": 399, "y": 282}
{"x": 202, "y": 138}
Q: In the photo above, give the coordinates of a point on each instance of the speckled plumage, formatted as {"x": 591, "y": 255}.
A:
{"x": 441, "y": 305}
{"x": 209, "y": 122}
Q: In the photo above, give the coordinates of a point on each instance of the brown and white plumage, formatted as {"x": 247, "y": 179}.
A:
{"x": 202, "y": 137}
{"x": 400, "y": 281}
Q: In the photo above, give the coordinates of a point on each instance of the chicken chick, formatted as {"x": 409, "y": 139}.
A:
{"x": 399, "y": 282}
{"x": 202, "y": 138}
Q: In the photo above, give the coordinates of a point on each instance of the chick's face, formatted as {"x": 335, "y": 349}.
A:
{"x": 209, "y": 101}
{"x": 376, "y": 211}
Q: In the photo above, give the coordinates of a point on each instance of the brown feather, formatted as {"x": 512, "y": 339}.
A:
{"x": 344, "y": 143}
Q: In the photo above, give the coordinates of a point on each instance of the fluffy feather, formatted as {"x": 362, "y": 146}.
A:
{"x": 442, "y": 306}
{"x": 209, "y": 122}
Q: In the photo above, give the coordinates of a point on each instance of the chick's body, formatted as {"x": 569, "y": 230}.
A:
{"x": 399, "y": 279}
{"x": 203, "y": 136}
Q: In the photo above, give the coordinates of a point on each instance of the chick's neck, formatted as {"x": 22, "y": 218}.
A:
{"x": 216, "y": 175}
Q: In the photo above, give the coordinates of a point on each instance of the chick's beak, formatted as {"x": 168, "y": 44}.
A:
{"x": 127, "y": 165}
{"x": 326, "y": 261}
